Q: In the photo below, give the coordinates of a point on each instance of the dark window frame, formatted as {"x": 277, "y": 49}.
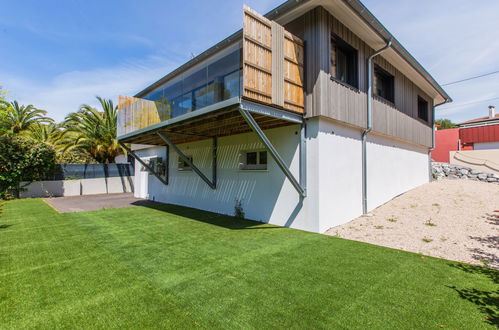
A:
{"x": 345, "y": 53}
{"x": 182, "y": 165}
{"x": 422, "y": 102}
{"x": 261, "y": 160}
{"x": 387, "y": 92}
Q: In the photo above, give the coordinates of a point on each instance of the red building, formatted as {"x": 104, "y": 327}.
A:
{"x": 476, "y": 134}
{"x": 445, "y": 140}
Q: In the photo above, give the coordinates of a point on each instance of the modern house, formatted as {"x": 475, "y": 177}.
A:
{"x": 475, "y": 143}
{"x": 308, "y": 117}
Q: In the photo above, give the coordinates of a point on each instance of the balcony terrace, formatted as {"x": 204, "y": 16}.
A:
{"x": 261, "y": 72}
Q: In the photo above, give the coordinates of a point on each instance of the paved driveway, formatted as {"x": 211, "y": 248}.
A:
{"x": 95, "y": 202}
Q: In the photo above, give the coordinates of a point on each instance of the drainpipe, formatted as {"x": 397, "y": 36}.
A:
{"x": 369, "y": 123}
{"x": 433, "y": 129}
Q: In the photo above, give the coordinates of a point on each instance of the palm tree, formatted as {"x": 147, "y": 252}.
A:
{"x": 20, "y": 118}
{"x": 47, "y": 133}
{"x": 93, "y": 132}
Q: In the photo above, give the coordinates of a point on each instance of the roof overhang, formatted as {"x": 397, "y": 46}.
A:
{"x": 354, "y": 15}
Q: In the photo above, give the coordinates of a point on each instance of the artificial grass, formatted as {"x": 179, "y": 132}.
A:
{"x": 176, "y": 267}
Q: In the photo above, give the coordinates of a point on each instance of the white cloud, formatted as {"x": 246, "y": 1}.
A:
{"x": 66, "y": 92}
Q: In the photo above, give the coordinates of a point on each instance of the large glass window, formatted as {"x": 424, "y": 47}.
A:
{"x": 215, "y": 82}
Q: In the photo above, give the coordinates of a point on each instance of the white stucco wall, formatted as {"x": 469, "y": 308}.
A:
{"x": 334, "y": 176}
{"x": 393, "y": 168}
{"x": 267, "y": 196}
{"x": 340, "y": 174}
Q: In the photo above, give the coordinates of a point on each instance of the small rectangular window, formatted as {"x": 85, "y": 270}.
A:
{"x": 344, "y": 62}
{"x": 158, "y": 166}
{"x": 422, "y": 109}
{"x": 253, "y": 160}
{"x": 263, "y": 157}
{"x": 384, "y": 84}
{"x": 183, "y": 165}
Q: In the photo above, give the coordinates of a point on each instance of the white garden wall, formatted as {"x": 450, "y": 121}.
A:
{"x": 59, "y": 188}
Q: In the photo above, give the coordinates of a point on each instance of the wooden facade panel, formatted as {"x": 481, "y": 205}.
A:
{"x": 293, "y": 74}
{"x": 277, "y": 64}
{"x": 389, "y": 121}
{"x": 272, "y": 63}
{"x": 257, "y": 27}
{"x": 329, "y": 98}
{"x": 293, "y": 50}
{"x": 293, "y": 97}
{"x": 257, "y": 56}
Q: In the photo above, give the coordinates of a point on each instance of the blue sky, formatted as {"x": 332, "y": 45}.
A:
{"x": 58, "y": 55}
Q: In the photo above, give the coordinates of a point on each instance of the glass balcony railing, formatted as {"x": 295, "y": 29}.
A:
{"x": 215, "y": 81}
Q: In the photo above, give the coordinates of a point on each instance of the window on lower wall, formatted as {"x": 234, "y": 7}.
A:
{"x": 183, "y": 165}
{"x": 422, "y": 109}
{"x": 157, "y": 165}
{"x": 344, "y": 63}
{"x": 253, "y": 160}
{"x": 384, "y": 85}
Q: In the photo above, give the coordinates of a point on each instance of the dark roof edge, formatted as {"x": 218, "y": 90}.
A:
{"x": 201, "y": 57}
{"x": 289, "y": 5}
{"x": 479, "y": 121}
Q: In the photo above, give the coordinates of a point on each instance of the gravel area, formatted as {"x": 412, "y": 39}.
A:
{"x": 450, "y": 219}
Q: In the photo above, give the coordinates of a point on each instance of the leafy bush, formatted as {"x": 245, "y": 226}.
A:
{"x": 445, "y": 124}
{"x": 23, "y": 160}
{"x": 74, "y": 157}
{"x": 238, "y": 209}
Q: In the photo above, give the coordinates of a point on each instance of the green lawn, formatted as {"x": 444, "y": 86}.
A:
{"x": 177, "y": 267}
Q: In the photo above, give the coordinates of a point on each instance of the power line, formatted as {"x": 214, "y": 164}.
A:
{"x": 469, "y": 103}
{"x": 471, "y": 78}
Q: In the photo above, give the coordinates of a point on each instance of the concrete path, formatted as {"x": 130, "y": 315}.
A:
{"x": 95, "y": 202}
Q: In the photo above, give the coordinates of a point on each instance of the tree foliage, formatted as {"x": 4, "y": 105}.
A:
{"x": 31, "y": 144}
{"x": 74, "y": 157}
{"x": 93, "y": 132}
{"x": 3, "y": 111}
{"x": 445, "y": 124}
{"x": 20, "y": 118}
{"x": 47, "y": 133}
{"x": 23, "y": 160}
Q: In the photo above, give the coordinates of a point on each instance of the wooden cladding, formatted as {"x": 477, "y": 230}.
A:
{"x": 272, "y": 63}
{"x": 135, "y": 114}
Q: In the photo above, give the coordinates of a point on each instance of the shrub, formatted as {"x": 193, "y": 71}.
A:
{"x": 238, "y": 209}
{"x": 23, "y": 160}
